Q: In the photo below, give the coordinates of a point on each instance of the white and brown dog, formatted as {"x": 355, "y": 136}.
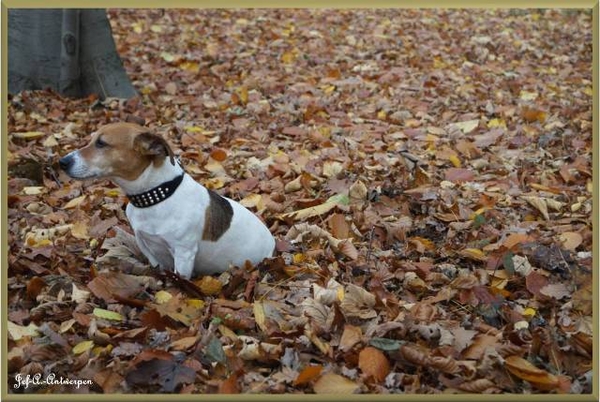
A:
{"x": 178, "y": 224}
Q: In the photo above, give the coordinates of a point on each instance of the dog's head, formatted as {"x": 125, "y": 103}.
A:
{"x": 122, "y": 150}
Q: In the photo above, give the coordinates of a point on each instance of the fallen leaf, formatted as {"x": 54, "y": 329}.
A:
{"x": 466, "y": 126}
{"x": 526, "y": 371}
{"x": 556, "y": 290}
{"x": 83, "y": 346}
{"x": 570, "y": 240}
{"x": 107, "y": 315}
{"x": 538, "y": 203}
{"x": 351, "y": 336}
{"x": 331, "y": 383}
{"x": 17, "y": 332}
{"x": 373, "y": 363}
{"x": 308, "y": 374}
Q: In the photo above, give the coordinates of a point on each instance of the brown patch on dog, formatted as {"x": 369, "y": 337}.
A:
{"x": 217, "y": 217}
{"x": 153, "y": 145}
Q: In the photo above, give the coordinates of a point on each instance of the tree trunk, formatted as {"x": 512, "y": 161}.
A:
{"x": 69, "y": 50}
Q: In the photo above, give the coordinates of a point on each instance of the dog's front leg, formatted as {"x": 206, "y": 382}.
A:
{"x": 184, "y": 261}
{"x": 146, "y": 250}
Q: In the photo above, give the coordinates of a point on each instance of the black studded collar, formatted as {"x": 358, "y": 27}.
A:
{"x": 156, "y": 194}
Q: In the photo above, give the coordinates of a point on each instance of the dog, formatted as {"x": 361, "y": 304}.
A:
{"x": 179, "y": 224}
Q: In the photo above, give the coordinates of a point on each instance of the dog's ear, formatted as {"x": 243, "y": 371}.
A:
{"x": 151, "y": 144}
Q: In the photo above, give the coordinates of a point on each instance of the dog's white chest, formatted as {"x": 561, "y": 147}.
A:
{"x": 195, "y": 231}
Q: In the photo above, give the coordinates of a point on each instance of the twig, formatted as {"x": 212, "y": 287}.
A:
{"x": 369, "y": 251}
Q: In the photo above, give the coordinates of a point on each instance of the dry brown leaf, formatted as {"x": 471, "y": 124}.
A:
{"x": 331, "y": 383}
{"x": 259, "y": 315}
{"x": 358, "y": 302}
{"x": 526, "y": 371}
{"x": 467, "y": 281}
{"x": 230, "y": 385}
{"x": 184, "y": 343}
{"x": 445, "y": 364}
{"x": 347, "y": 248}
{"x": 209, "y": 285}
{"x": 308, "y": 374}
{"x": 350, "y": 337}
{"x": 556, "y": 290}
{"x": 476, "y": 350}
{"x": 538, "y": 203}
{"x": 477, "y": 386}
{"x": 474, "y": 254}
{"x": 218, "y": 154}
{"x": 358, "y": 191}
{"x": 373, "y": 363}
{"x": 515, "y": 239}
{"x": 570, "y": 240}
{"x": 414, "y": 355}
{"x": 339, "y": 227}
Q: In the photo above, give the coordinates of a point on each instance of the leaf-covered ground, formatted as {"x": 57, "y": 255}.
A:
{"x": 427, "y": 173}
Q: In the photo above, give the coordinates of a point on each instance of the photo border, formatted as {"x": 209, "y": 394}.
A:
{"x": 334, "y": 4}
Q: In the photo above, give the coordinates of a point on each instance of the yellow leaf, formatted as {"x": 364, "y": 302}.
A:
{"x": 137, "y": 27}
{"x": 107, "y": 314}
{"x": 99, "y": 350}
{"x": 438, "y": 63}
{"x": 168, "y": 57}
{"x": 454, "y": 160}
{"x": 381, "y": 115}
{"x": 529, "y": 312}
{"x": 473, "y": 253}
{"x": 191, "y": 66}
{"x": 112, "y": 192}
{"x": 156, "y": 28}
{"x": 209, "y": 285}
{"x": 525, "y": 95}
{"x": 329, "y": 89}
{"x": 214, "y": 183}
{"x": 195, "y": 303}
{"x": 29, "y": 135}
{"x": 496, "y": 123}
{"x": 83, "y": 347}
{"x": 252, "y": 200}
{"x": 298, "y": 258}
{"x": 75, "y": 202}
{"x": 243, "y": 94}
{"x": 162, "y": 296}
{"x": 259, "y": 316}
{"x": 288, "y": 57}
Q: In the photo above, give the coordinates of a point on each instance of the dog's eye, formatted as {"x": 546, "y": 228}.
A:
{"x": 100, "y": 143}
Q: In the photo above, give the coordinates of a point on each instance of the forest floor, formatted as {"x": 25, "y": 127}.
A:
{"x": 427, "y": 174}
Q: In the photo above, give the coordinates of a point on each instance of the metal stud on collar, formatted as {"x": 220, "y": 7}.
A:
{"x": 155, "y": 195}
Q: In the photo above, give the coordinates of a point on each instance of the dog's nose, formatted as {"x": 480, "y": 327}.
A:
{"x": 65, "y": 162}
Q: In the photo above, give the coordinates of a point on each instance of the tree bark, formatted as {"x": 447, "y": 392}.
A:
{"x": 69, "y": 50}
